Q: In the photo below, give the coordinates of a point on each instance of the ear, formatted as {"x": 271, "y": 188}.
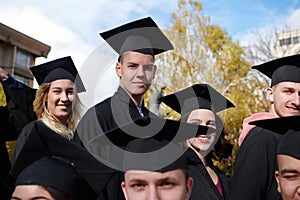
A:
{"x": 189, "y": 186}
{"x": 118, "y": 69}
{"x": 124, "y": 190}
{"x": 270, "y": 94}
{"x": 277, "y": 179}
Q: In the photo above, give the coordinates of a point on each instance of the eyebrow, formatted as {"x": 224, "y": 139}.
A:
{"x": 34, "y": 198}
{"x": 284, "y": 171}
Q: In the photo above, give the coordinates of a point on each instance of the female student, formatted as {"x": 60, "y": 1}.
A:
{"x": 199, "y": 104}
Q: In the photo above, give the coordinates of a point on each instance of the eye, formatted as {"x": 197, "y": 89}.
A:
{"x": 70, "y": 92}
{"x": 291, "y": 176}
{"x": 133, "y": 67}
{"x": 149, "y": 67}
{"x": 138, "y": 186}
{"x": 167, "y": 184}
{"x": 288, "y": 91}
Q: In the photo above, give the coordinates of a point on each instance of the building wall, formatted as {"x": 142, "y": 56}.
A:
{"x": 288, "y": 43}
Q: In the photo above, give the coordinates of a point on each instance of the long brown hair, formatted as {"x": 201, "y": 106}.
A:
{"x": 43, "y": 114}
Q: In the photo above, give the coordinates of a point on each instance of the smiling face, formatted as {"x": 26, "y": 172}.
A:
{"x": 136, "y": 72}
{"x": 285, "y": 98}
{"x": 60, "y": 99}
{"x": 288, "y": 177}
{"x": 202, "y": 143}
{"x": 148, "y": 185}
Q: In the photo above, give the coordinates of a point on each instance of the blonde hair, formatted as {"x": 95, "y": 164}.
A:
{"x": 43, "y": 114}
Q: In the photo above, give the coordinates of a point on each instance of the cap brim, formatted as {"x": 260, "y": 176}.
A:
{"x": 145, "y": 28}
{"x": 279, "y": 125}
{"x": 204, "y": 91}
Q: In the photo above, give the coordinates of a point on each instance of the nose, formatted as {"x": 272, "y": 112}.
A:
{"x": 140, "y": 71}
{"x": 296, "y": 100}
{"x": 153, "y": 193}
{"x": 64, "y": 97}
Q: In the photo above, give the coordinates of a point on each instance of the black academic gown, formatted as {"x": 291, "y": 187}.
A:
{"x": 204, "y": 188}
{"x": 255, "y": 166}
{"x": 14, "y": 116}
{"x": 109, "y": 114}
{"x": 35, "y": 126}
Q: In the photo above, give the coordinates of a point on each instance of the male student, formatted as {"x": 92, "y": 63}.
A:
{"x": 288, "y": 154}
{"x": 154, "y": 164}
{"x": 156, "y": 182}
{"x": 137, "y": 44}
{"x": 255, "y": 162}
{"x": 152, "y": 158}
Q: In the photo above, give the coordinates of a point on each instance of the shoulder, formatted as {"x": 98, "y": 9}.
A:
{"x": 259, "y": 135}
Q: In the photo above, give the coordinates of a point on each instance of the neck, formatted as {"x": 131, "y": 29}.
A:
{"x": 201, "y": 157}
{"x": 137, "y": 99}
{"x": 272, "y": 110}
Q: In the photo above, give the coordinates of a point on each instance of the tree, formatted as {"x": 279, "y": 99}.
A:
{"x": 204, "y": 53}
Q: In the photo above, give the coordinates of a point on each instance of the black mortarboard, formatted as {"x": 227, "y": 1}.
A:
{"x": 43, "y": 142}
{"x": 155, "y": 131}
{"x": 289, "y": 126}
{"x": 56, "y": 173}
{"x": 62, "y": 68}
{"x": 195, "y": 97}
{"x": 285, "y": 69}
{"x": 142, "y": 35}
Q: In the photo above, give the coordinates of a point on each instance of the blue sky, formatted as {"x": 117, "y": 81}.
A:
{"x": 72, "y": 27}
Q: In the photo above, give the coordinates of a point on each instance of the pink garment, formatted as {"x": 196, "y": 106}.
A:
{"x": 254, "y": 117}
{"x": 219, "y": 186}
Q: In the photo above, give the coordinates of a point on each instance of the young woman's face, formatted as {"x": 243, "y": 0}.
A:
{"x": 60, "y": 99}
{"x": 204, "y": 117}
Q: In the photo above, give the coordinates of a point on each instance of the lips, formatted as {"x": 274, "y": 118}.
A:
{"x": 203, "y": 138}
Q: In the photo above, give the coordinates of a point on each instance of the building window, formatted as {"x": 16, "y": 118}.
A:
{"x": 22, "y": 59}
{"x": 296, "y": 39}
{"x": 285, "y": 41}
{"x": 22, "y": 79}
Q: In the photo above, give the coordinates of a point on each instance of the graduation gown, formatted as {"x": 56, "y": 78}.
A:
{"x": 112, "y": 112}
{"x": 255, "y": 166}
{"x": 38, "y": 127}
{"x": 14, "y": 116}
{"x": 204, "y": 187}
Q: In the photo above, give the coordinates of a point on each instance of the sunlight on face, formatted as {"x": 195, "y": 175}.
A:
{"x": 203, "y": 143}
{"x": 142, "y": 185}
{"x": 288, "y": 177}
{"x": 60, "y": 99}
{"x": 137, "y": 71}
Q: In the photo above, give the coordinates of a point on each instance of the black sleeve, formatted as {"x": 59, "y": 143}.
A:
{"x": 254, "y": 167}
{"x": 20, "y": 107}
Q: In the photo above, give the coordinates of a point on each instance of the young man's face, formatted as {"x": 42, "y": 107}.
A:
{"x": 142, "y": 185}
{"x": 286, "y": 98}
{"x": 136, "y": 72}
{"x": 288, "y": 177}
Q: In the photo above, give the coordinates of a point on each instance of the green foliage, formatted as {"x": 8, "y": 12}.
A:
{"x": 204, "y": 53}
{"x": 2, "y": 96}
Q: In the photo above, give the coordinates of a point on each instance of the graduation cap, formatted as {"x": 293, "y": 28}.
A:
{"x": 56, "y": 173}
{"x": 196, "y": 97}
{"x": 151, "y": 143}
{"x": 62, "y": 68}
{"x": 289, "y": 127}
{"x": 43, "y": 142}
{"x": 142, "y": 35}
{"x": 285, "y": 69}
